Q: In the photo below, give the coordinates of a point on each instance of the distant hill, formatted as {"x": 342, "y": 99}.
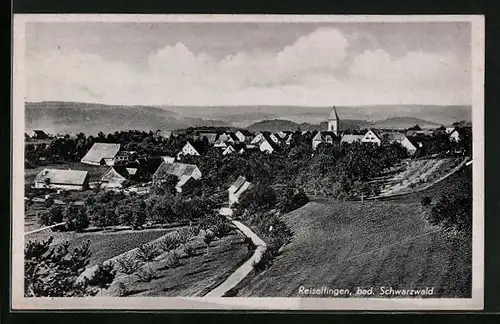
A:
{"x": 245, "y": 115}
{"x": 403, "y": 123}
{"x": 90, "y": 118}
{"x": 73, "y": 117}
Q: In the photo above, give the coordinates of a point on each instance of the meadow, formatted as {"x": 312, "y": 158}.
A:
{"x": 367, "y": 244}
{"x": 103, "y": 245}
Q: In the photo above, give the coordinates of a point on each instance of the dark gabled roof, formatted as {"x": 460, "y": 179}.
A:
{"x": 39, "y": 132}
{"x": 199, "y": 146}
{"x": 246, "y": 132}
{"x": 177, "y": 169}
{"x": 267, "y": 138}
{"x": 234, "y": 137}
{"x": 210, "y": 136}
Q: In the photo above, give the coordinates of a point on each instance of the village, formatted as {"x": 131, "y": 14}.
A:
{"x": 124, "y": 166}
{"x": 134, "y": 190}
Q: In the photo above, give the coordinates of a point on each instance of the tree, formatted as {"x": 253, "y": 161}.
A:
{"x": 416, "y": 127}
{"x": 139, "y": 213}
{"x": 54, "y": 272}
{"x": 76, "y": 218}
{"x": 103, "y": 276}
{"x": 208, "y": 238}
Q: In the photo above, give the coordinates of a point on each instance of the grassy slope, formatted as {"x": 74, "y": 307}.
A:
{"x": 351, "y": 244}
{"x": 103, "y": 246}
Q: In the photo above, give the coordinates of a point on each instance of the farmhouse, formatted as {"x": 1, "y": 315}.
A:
{"x": 62, "y": 179}
{"x": 101, "y": 153}
{"x": 323, "y": 137}
{"x": 372, "y": 137}
{"x": 240, "y": 186}
{"x": 244, "y": 135}
{"x": 182, "y": 171}
{"x": 113, "y": 178}
{"x": 395, "y": 137}
{"x": 231, "y": 148}
{"x": 123, "y": 157}
{"x": 195, "y": 148}
{"x": 221, "y": 143}
{"x": 266, "y": 144}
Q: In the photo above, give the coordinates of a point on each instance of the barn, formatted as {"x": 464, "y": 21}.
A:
{"x": 62, "y": 179}
{"x": 101, "y": 153}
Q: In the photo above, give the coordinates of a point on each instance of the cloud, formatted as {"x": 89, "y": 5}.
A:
{"x": 314, "y": 70}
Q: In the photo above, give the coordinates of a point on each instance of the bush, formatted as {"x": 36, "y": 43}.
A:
{"x": 189, "y": 250}
{"x": 147, "y": 253}
{"x": 146, "y": 274}
{"x": 221, "y": 229}
{"x": 173, "y": 259}
{"x": 426, "y": 201}
{"x": 128, "y": 265}
{"x": 103, "y": 276}
{"x": 453, "y": 213}
{"x": 265, "y": 261}
{"x": 169, "y": 243}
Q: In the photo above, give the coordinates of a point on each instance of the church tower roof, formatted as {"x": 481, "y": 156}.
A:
{"x": 333, "y": 114}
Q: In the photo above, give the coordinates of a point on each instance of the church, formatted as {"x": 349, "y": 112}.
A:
{"x": 332, "y": 134}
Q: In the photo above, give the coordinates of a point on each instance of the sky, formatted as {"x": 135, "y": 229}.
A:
{"x": 301, "y": 64}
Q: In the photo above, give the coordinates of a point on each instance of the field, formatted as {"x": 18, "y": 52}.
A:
{"x": 196, "y": 275}
{"x": 104, "y": 245}
{"x": 416, "y": 174}
{"x": 367, "y": 244}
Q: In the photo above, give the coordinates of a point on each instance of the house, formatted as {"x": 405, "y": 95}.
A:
{"x": 323, "y": 137}
{"x": 449, "y": 130}
{"x": 372, "y": 137}
{"x": 113, "y": 178}
{"x": 224, "y": 137}
{"x": 210, "y": 136}
{"x": 231, "y": 148}
{"x": 181, "y": 170}
{"x": 160, "y": 134}
{"x": 454, "y": 135}
{"x": 244, "y": 135}
{"x": 396, "y": 137}
{"x": 257, "y": 138}
{"x": 267, "y": 144}
{"x": 62, "y": 179}
{"x": 38, "y": 134}
{"x": 101, "y": 151}
{"x": 351, "y": 138}
{"x": 168, "y": 159}
{"x": 220, "y": 143}
{"x": 233, "y": 138}
{"x": 122, "y": 158}
{"x": 195, "y": 148}
{"x": 240, "y": 186}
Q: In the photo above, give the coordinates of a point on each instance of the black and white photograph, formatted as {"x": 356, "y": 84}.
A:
{"x": 248, "y": 162}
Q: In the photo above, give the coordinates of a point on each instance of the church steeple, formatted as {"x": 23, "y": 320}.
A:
{"x": 333, "y": 121}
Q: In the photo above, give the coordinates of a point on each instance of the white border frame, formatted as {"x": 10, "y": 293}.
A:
{"x": 19, "y": 302}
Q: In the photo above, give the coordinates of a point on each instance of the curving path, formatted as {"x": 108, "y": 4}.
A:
{"x": 237, "y": 276}
{"x": 43, "y": 228}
